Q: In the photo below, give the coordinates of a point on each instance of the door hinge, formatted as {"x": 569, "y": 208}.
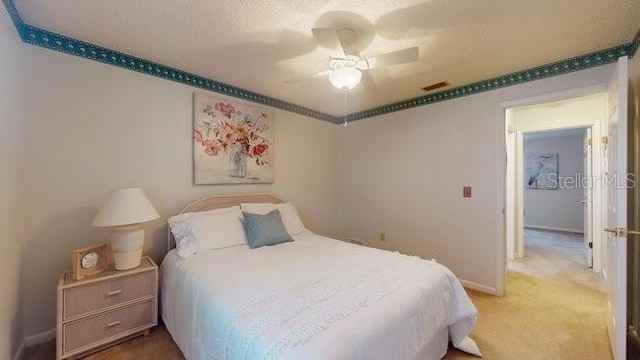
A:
{"x": 590, "y": 245}
{"x": 589, "y": 142}
{"x": 605, "y": 140}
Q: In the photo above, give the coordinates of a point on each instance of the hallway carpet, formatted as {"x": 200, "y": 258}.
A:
{"x": 554, "y": 309}
{"x": 557, "y": 256}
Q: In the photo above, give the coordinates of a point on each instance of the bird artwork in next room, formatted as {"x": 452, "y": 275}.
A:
{"x": 541, "y": 171}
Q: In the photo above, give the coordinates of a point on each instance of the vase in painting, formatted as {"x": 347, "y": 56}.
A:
{"x": 237, "y": 162}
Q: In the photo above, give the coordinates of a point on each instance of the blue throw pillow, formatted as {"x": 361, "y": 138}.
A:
{"x": 263, "y": 230}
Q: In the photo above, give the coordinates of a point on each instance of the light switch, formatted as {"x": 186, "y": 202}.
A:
{"x": 466, "y": 191}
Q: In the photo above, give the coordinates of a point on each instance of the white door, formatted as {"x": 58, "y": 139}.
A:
{"x": 615, "y": 221}
{"x": 587, "y": 199}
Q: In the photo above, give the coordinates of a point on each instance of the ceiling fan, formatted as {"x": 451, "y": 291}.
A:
{"x": 346, "y": 67}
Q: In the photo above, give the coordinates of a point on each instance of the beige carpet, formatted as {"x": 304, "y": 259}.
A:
{"x": 557, "y": 256}
{"x": 555, "y": 307}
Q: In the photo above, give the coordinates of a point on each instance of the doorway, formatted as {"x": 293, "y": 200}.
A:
{"x": 550, "y": 181}
{"x": 557, "y": 195}
{"x": 551, "y": 196}
{"x": 616, "y": 131}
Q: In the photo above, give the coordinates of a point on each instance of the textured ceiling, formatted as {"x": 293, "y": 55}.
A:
{"x": 258, "y": 45}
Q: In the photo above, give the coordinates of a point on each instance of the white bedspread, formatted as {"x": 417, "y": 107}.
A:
{"x": 314, "y": 298}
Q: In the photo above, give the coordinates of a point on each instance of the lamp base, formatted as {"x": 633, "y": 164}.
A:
{"x": 126, "y": 246}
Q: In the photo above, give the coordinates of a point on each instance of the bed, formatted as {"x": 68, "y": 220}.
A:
{"x": 310, "y": 298}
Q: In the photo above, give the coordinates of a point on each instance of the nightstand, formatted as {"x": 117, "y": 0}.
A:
{"x": 98, "y": 311}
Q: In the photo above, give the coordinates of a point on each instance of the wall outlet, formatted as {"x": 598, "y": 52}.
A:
{"x": 383, "y": 236}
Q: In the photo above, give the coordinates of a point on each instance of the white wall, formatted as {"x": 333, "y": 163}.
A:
{"x": 561, "y": 208}
{"x": 91, "y": 128}
{"x": 10, "y": 187}
{"x": 403, "y": 174}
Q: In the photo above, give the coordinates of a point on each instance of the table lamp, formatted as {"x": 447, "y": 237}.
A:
{"x": 125, "y": 210}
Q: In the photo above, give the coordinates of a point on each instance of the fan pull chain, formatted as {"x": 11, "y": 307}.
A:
{"x": 346, "y": 91}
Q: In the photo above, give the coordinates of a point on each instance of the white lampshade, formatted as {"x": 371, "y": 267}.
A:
{"x": 125, "y": 207}
{"x": 345, "y": 78}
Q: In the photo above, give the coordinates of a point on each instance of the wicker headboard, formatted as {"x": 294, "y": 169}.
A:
{"x": 220, "y": 202}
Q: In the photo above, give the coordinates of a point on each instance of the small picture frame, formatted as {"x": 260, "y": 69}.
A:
{"x": 88, "y": 261}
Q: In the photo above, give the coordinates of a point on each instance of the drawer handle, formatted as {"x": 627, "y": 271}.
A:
{"x": 112, "y": 324}
{"x": 114, "y": 292}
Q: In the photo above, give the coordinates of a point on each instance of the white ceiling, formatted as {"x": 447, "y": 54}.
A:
{"x": 258, "y": 45}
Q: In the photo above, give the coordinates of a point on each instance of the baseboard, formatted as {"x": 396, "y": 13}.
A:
{"x": 40, "y": 338}
{"x": 478, "y": 287}
{"x": 541, "y": 227}
{"x": 34, "y": 340}
{"x": 20, "y": 353}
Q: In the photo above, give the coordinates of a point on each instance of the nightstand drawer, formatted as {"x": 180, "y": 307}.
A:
{"x": 92, "y": 297}
{"x": 100, "y": 328}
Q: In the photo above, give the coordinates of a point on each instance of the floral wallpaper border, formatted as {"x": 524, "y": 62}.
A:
{"x": 43, "y": 38}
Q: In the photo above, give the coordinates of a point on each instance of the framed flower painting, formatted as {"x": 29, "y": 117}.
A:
{"x": 232, "y": 142}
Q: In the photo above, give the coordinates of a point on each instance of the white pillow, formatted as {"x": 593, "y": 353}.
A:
{"x": 207, "y": 230}
{"x": 290, "y": 217}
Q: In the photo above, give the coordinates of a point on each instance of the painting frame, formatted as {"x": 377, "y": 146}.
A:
{"x": 541, "y": 171}
{"x": 232, "y": 141}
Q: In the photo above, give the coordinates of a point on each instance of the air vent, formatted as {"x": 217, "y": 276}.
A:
{"x": 439, "y": 85}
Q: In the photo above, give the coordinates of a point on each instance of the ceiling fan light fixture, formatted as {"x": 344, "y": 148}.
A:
{"x": 345, "y": 78}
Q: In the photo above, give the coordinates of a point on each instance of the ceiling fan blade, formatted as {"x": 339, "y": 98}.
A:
{"x": 405, "y": 56}
{"x": 307, "y": 77}
{"x": 328, "y": 37}
{"x": 367, "y": 80}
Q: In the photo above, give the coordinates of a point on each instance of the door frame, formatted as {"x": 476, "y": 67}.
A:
{"x": 501, "y": 158}
{"x": 587, "y": 196}
{"x": 595, "y": 205}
